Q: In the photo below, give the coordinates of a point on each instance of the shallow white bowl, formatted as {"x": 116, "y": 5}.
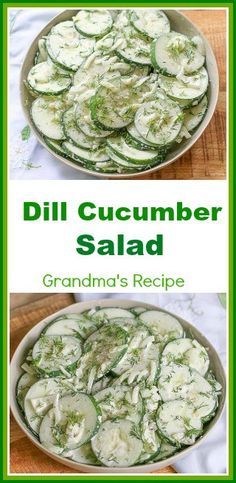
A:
{"x": 30, "y": 338}
{"x": 181, "y": 24}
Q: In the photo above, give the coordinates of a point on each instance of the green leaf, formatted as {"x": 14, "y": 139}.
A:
{"x": 25, "y": 133}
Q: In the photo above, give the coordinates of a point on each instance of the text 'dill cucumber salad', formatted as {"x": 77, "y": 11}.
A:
{"x": 116, "y": 387}
{"x": 116, "y": 91}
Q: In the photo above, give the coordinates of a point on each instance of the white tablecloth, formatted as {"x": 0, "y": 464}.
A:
{"x": 28, "y": 159}
{"x": 207, "y": 314}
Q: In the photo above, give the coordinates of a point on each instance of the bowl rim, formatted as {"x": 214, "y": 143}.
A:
{"x": 122, "y": 303}
{"x": 197, "y": 134}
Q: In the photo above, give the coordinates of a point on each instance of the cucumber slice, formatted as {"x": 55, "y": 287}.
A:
{"x": 150, "y": 438}
{"x": 75, "y": 135}
{"x": 188, "y": 352}
{"x": 135, "y": 49}
{"x": 71, "y": 423}
{"x": 152, "y": 23}
{"x": 40, "y": 398}
{"x": 159, "y": 122}
{"x": 178, "y": 424}
{"x": 85, "y": 123}
{"x": 56, "y": 147}
{"x": 163, "y": 326}
{"x": 45, "y": 79}
{"x": 84, "y": 155}
{"x": 108, "y": 313}
{"x": 54, "y": 354}
{"x": 117, "y": 443}
{"x": 127, "y": 166}
{"x": 111, "y": 107}
{"x": 93, "y": 23}
{"x": 174, "y": 53}
{"x": 46, "y": 434}
{"x": 141, "y": 361}
{"x": 194, "y": 116}
{"x": 41, "y": 54}
{"x": 120, "y": 402}
{"x": 137, "y": 310}
{"x": 92, "y": 70}
{"x": 135, "y": 139}
{"x": 185, "y": 87}
{"x": 180, "y": 381}
{"x": 46, "y": 119}
{"x": 166, "y": 450}
{"x": 205, "y": 405}
{"x": 25, "y": 381}
{"x": 123, "y": 150}
{"x": 84, "y": 454}
{"x": 107, "y": 346}
{"x": 71, "y": 324}
{"x": 105, "y": 167}
{"x": 66, "y": 47}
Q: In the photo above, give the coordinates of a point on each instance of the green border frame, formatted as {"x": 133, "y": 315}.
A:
{"x": 3, "y": 240}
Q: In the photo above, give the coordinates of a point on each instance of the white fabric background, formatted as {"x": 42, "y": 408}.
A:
{"x": 28, "y": 159}
{"x": 207, "y": 314}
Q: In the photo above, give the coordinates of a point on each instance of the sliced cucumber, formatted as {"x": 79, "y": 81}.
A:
{"x": 178, "y": 424}
{"x": 84, "y": 155}
{"x": 107, "y": 346}
{"x": 173, "y": 53}
{"x": 40, "y": 398}
{"x": 85, "y": 123}
{"x": 205, "y": 405}
{"x": 71, "y": 324}
{"x": 84, "y": 454}
{"x": 152, "y": 23}
{"x": 123, "y": 150}
{"x": 66, "y": 47}
{"x": 141, "y": 358}
{"x": 125, "y": 165}
{"x": 137, "y": 140}
{"x": 45, "y": 79}
{"x": 25, "y": 381}
{"x": 185, "y": 87}
{"x": 135, "y": 49}
{"x": 194, "y": 115}
{"x": 90, "y": 73}
{"x": 71, "y": 423}
{"x": 186, "y": 351}
{"x": 166, "y": 450}
{"x": 150, "y": 438}
{"x": 137, "y": 310}
{"x": 93, "y": 23}
{"x": 180, "y": 381}
{"x": 159, "y": 122}
{"x": 75, "y": 135}
{"x": 120, "y": 402}
{"x": 41, "y": 54}
{"x": 163, "y": 326}
{"x": 46, "y": 119}
{"x": 111, "y": 107}
{"x": 111, "y": 313}
{"x": 54, "y": 354}
{"x": 56, "y": 147}
{"x": 46, "y": 434}
{"x": 117, "y": 443}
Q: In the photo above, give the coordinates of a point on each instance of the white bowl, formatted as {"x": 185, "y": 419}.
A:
{"x": 30, "y": 338}
{"x": 181, "y": 24}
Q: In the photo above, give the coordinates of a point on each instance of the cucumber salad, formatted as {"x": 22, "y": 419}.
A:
{"x": 116, "y": 387}
{"x": 116, "y": 91}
